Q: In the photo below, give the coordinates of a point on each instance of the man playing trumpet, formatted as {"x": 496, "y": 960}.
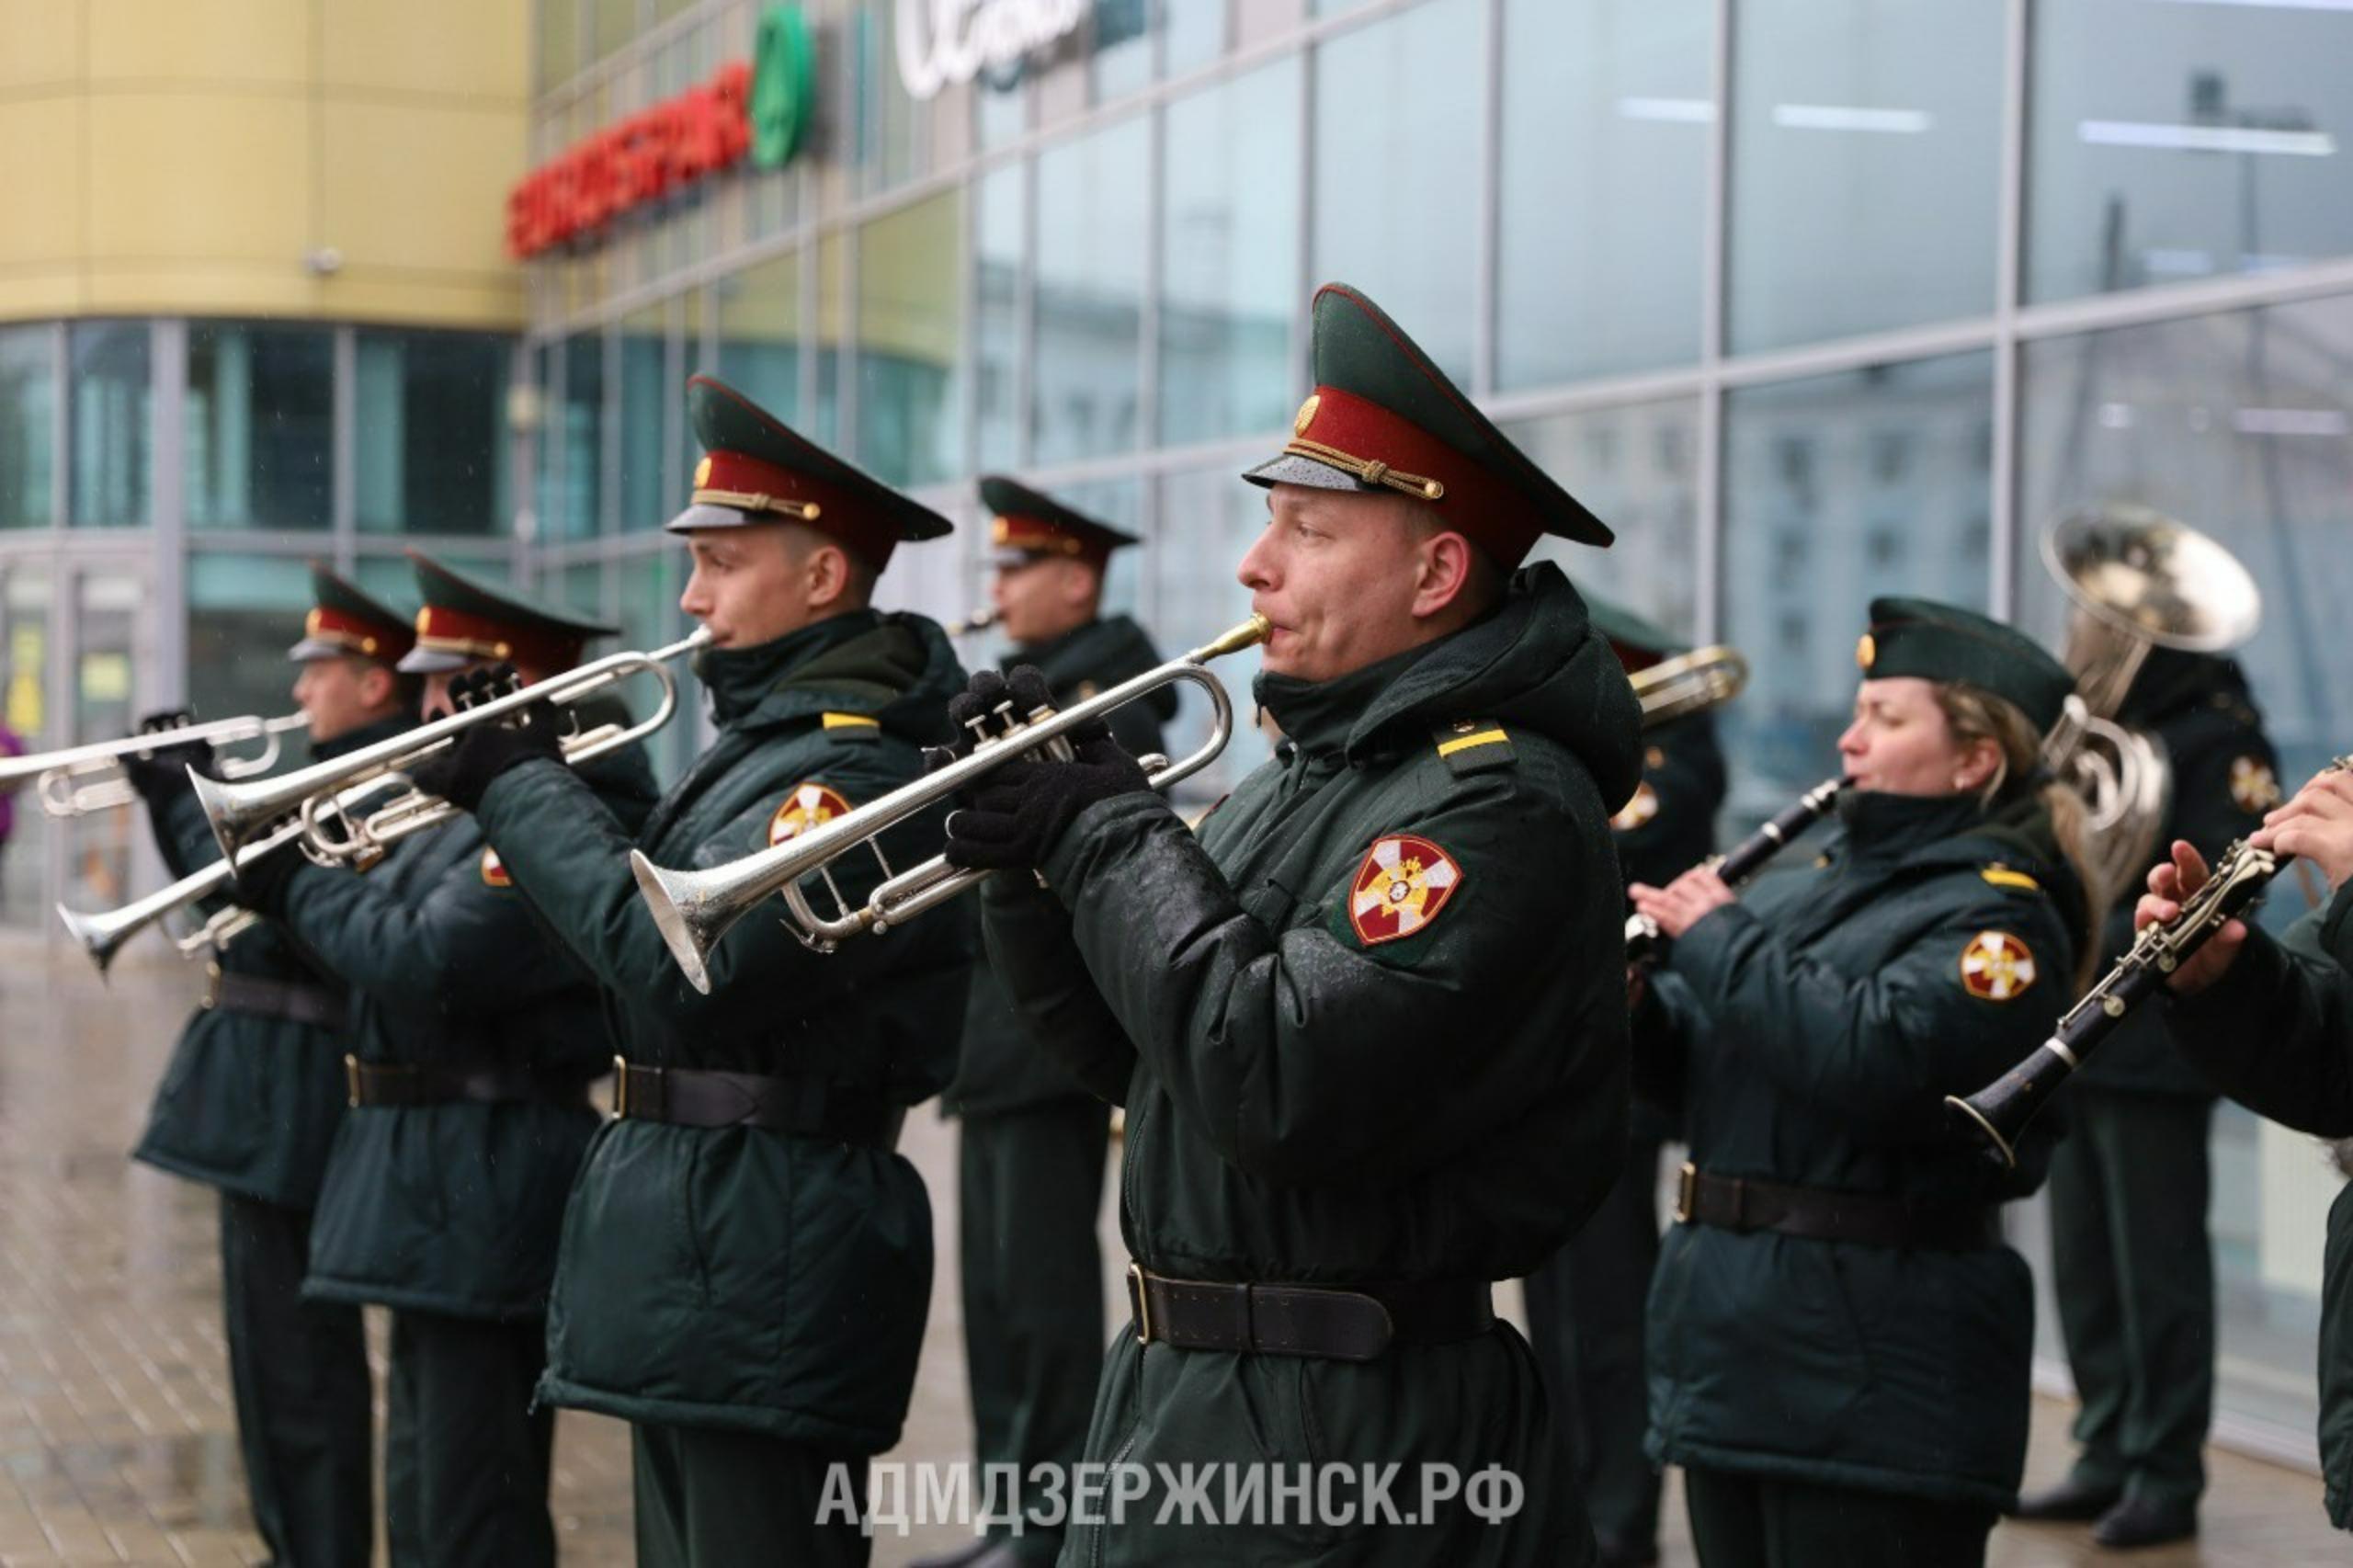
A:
{"x": 1370, "y": 1026}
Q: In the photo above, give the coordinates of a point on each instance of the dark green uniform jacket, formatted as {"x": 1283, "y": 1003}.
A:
{"x": 249, "y": 1104}
{"x": 1370, "y": 1026}
{"x": 1670, "y": 825}
{"x": 2200, "y": 713}
{"x": 738, "y": 1279}
{"x": 454, "y": 1208}
{"x": 2275, "y": 1034}
{"x": 1809, "y": 1034}
{"x": 1001, "y": 1068}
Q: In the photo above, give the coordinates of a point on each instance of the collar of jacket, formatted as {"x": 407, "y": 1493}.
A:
{"x": 1884, "y": 826}
{"x": 740, "y": 679}
{"x": 366, "y": 735}
{"x": 1320, "y": 717}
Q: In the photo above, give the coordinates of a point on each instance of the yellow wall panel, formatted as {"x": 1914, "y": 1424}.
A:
{"x": 201, "y": 40}
{"x": 41, "y": 196}
{"x": 43, "y": 43}
{"x": 201, "y": 179}
{"x": 470, "y": 48}
{"x": 420, "y": 187}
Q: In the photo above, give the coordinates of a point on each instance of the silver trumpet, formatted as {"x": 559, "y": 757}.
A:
{"x": 102, "y": 936}
{"x": 241, "y": 813}
{"x": 81, "y": 779}
{"x": 694, "y": 909}
{"x": 1688, "y": 683}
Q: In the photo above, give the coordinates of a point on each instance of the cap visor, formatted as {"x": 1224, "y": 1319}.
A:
{"x": 696, "y": 519}
{"x": 431, "y": 662}
{"x": 311, "y": 648}
{"x": 1292, "y": 469}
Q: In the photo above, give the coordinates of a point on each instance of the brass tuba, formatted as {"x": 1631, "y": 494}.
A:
{"x": 2139, "y": 580}
{"x": 1688, "y": 683}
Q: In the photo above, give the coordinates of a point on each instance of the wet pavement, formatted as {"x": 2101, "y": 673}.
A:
{"x": 117, "y": 1443}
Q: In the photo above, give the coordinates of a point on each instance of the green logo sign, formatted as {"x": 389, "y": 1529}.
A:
{"x": 783, "y": 85}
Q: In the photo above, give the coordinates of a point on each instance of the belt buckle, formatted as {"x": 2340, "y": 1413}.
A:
{"x": 351, "y": 1078}
{"x": 1136, "y": 1282}
{"x": 211, "y": 986}
{"x": 1687, "y": 1181}
{"x": 620, "y": 1086}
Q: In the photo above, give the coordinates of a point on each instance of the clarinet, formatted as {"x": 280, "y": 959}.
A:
{"x": 1999, "y": 1112}
{"x": 1746, "y": 858}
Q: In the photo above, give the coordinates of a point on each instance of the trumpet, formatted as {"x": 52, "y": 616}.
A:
{"x": 1688, "y": 683}
{"x": 1999, "y": 1112}
{"x": 102, "y": 936}
{"x": 81, "y": 779}
{"x": 693, "y": 909}
{"x": 241, "y": 813}
{"x": 1747, "y": 858}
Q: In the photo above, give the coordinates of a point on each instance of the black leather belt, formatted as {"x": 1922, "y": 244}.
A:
{"x": 318, "y": 1006}
{"x": 424, "y": 1083}
{"x": 805, "y": 1108}
{"x": 1745, "y": 1203}
{"x": 1342, "y": 1323}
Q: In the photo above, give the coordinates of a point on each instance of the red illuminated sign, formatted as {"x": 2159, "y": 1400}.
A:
{"x": 642, "y": 159}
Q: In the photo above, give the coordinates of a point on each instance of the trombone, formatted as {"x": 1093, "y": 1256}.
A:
{"x": 102, "y": 936}
{"x": 241, "y": 813}
{"x": 693, "y": 909}
{"x": 81, "y": 779}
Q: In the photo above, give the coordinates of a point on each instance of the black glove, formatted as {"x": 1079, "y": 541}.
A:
{"x": 262, "y": 882}
{"x": 161, "y": 776}
{"x": 463, "y": 773}
{"x": 1019, "y": 812}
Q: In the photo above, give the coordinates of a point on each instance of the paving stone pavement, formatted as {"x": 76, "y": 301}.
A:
{"x": 117, "y": 1443}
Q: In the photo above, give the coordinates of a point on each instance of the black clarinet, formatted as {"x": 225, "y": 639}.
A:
{"x": 1745, "y": 858}
{"x": 1999, "y": 1112}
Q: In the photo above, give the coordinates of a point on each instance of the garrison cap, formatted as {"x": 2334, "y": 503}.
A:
{"x": 758, "y": 470}
{"x": 1028, "y": 524}
{"x": 1383, "y": 417}
{"x": 346, "y": 623}
{"x": 1631, "y": 633}
{"x": 464, "y": 621}
{"x": 1944, "y": 643}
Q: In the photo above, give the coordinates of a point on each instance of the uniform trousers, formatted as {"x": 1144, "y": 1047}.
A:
{"x": 1749, "y": 1521}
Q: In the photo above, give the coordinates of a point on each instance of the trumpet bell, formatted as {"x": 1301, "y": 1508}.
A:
{"x": 683, "y": 912}
{"x": 2154, "y": 578}
{"x": 95, "y": 934}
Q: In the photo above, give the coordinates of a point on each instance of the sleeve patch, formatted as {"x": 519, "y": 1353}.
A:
{"x": 1403, "y": 884}
{"x": 1638, "y": 810}
{"x": 1997, "y": 967}
{"x": 2002, "y": 876}
{"x": 2254, "y": 787}
{"x": 493, "y": 871}
{"x": 808, "y": 804}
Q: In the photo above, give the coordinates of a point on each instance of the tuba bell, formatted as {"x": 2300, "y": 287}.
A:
{"x": 2137, "y": 580}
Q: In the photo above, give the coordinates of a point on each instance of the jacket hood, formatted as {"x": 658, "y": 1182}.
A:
{"x": 1939, "y": 831}
{"x": 896, "y": 669}
{"x": 1536, "y": 664}
{"x": 1107, "y": 652}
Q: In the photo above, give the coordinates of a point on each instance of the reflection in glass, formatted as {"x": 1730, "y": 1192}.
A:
{"x": 112, "y": 651}
{"x": 615, "y": 24}
{"x": 1196, "y": 33}
{"x": 1400, "y": 100}
{"x": 114, "y": 460}
{"x": 559, "y": 36}
{"x": 1119, "y": 61}
{"x": 430, "y": 433}
{"x": 910, "y": 342}
{"x": 1866, "y": 147}
{"x": 646, "y": 395}
{"x": 1838, "y": 489}
{"x": 394, "y": 580}
{"x": 24, "y": 705}
{"x": 1230, "y": 257}
{"x": 1000, "y": 240}
{"x": 651, "y": 619}
{"x": 1091, "y": 237}
{"x": 27, "y": 419}
{"x": 244, "y": 613}
{"x": 578, "y": 423}
{"x": 1607, "y": 125}
{"x": 1637, "y": 469}
{"x": 759, "y": 335}
{"x": 259, "y": 417}
{"x": 1210, "y": 518}
{"x": 582, "y": 588}
{"x": 832, "y": 268}
{"x": 2173, "y": 142}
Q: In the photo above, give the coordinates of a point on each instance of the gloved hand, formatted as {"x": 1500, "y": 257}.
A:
{"x": 463, "y": 773}
{"x": 160, "y": 775}
{"x": 262, "y": 882}
{"x": 1018, "y": 813}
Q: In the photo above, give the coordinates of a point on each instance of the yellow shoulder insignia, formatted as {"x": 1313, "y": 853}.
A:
{"x": 852, "y": 722}
{"x": 1472, "y": 746}
{"x": 2002, "y": 876}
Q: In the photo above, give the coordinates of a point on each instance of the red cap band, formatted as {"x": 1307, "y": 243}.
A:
{"x": 1361, "y": 438}
{"x": 370, "y": 640}
{"x": 446, "y": 631}
{"x": 753, "y": 484}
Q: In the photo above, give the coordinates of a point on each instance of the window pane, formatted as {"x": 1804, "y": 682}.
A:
{"x": 114, "y": 462}
{"x": 833, "y": 267}
{"x": 259, "y": 427}
{"x": 27, "y": 419}
{"x": 431, "y": 430}
{"x": 651, "y": 619}
{"x": 910, "y": 342}
{"x": 578, "y": 424}
{"x": 1091, "y": 231}
{"x": 244, "y": 613}
{"x": 759, "y": 335}
{"x": 24, "y": 708}
{"x": 1838, "y": 489}
{"x": 1196, "y": 32}
{"x": 582, "y": 588}
{"x": 391, "y": 579}
{"x": 1607, "y": 121}
{"x": 559, "y": 41}
{"x": 1230, "y": 257}
{"x": 1000, "y": 238}
{"x": 1638, "y": 470}
{"x": 1210, "y": 518}
{"x": 1865, "y": 166}
{"x": 615, "y": 25}
{"x": 1397, "y": 110}
{"x": 646, "y": 396}
{"x": 2180, "y": 141}
{"x": 1120, "y": 59}
{"x": 1001, "y": 108}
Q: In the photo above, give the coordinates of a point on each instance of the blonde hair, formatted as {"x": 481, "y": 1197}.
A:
{"x": 1974, "y": 714}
